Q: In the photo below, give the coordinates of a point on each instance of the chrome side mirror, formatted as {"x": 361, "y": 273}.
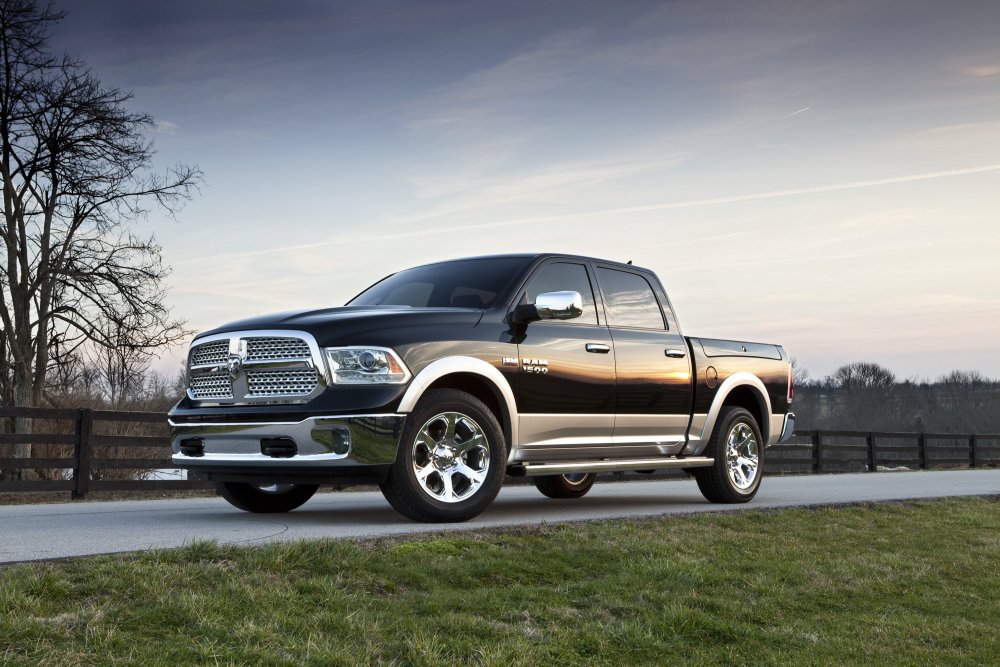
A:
{"x": 559, "y": 305}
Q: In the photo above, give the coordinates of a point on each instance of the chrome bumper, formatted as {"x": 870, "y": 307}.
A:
{"x": 342, "y": 441}
{"x": 788, "y": 429}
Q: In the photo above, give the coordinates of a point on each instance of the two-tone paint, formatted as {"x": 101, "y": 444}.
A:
{"x": 605, "y": 392}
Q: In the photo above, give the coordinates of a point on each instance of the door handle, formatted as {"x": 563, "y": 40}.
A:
{"x": 674, "y": 354}
{"x": 598, "y": 348}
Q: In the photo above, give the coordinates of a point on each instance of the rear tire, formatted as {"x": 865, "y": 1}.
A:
{"x": 451, "y": 462}
{"x": 570, "y": 485}
{"x": 738, "y": 450}
{"x": 266, "y": 498}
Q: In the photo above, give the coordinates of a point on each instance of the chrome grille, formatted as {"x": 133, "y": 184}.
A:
{"x": 245, "y": 367}
{"x": 281, "y": 382}
{"x": 216, "y": 352}
{"x": 212, "y": 385}
{"x": 263, "y": 349}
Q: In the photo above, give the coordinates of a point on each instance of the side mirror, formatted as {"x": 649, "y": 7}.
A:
{"x": 551, "y": 306}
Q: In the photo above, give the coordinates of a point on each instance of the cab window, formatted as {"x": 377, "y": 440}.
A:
{"x": 629, "y": 300}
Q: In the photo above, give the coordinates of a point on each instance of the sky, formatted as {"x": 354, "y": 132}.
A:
{"x": 822, "y": 175}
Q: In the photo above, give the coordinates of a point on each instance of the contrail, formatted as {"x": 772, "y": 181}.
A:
{"x": 691, "y": 203}
{"x": 850, "y": 185}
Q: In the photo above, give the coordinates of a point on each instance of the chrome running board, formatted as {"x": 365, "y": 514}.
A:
{"x": 531, "y": 469}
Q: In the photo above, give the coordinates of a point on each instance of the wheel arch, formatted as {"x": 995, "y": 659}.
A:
{"x": 744, "y": 390}
{"x": 473, "y": 376}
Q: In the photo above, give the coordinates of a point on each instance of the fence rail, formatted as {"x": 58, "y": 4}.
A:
{"x": 87, "y": 454}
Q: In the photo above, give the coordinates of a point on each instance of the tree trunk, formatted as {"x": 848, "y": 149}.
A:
{"x": 22, "y": 399}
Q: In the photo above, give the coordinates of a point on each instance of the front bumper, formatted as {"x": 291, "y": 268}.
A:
{"x": 322, "y": 442}
{"x": 788, "y": 428}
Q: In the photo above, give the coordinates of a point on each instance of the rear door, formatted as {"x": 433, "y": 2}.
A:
{"x": 565, "y": 388}
{"x": 652, "y": 368}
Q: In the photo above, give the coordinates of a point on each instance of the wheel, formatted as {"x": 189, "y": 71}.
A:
{"x": 570, "y": 485}
{"x": 737, "y": 447}
{"x": 265, "y": 498}
{"x": 451, "y": 462}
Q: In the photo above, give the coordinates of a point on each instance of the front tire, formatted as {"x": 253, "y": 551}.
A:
{"x": 265, "y": 498}
{"x": 738, "y": 450}
{"x": 570, "y": 485}
{"x": 451, "y": 462}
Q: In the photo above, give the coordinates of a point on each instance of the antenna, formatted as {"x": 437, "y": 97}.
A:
{"x": 629, "y": 262}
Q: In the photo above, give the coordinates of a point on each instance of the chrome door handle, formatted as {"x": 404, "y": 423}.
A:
{"x": 598, "y": 348}
{"x": 674, "y": 354}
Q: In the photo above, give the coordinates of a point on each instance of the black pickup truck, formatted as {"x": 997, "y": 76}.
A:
{"x": 437, "y": 381}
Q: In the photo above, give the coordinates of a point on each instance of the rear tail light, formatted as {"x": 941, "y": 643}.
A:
{"x": 791, "y": 384}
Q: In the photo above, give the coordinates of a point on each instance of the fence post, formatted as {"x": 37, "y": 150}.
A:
{"x": 871, "y": 453}
{"x": 82, "y": 455}
{"x": 817, "y": 451}
{"x": 973, "y": 454}
{"x": 922, "y": 450}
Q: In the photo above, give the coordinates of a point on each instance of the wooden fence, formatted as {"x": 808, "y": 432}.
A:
{"x": 82, "y": 453}
{"x": 75, "y": 452}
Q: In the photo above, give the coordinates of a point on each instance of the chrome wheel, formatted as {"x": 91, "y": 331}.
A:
{"x": 742, "y": 455}
{"x": 451, "y": 457}
{"x": 576, "y": 478}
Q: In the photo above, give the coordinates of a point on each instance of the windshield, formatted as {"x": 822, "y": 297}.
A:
{"x": 464, "y": 283}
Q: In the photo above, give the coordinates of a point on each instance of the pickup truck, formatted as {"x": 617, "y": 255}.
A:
{"x": 439, "y": 381}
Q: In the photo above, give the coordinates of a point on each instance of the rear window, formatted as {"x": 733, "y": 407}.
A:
{"x": 465, "y": 283}
{"x": 629, "y": 300}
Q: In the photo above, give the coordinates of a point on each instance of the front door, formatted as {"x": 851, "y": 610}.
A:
{"x": 565, "y": 389}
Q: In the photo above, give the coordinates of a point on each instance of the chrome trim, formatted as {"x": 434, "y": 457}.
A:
{"x": 237, "y": 364}
{"x": 788, "y": 428}
{"x": 532, "y": 469}
{"x": 559, "y": 305}
{"x": 363, "y": 440}
{"x": 593, "y": 450}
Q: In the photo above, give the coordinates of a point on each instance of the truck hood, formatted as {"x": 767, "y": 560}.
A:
{"x": 355, "y": 325}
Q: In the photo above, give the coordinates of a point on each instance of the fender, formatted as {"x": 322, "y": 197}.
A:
{"x": 450, "y": 365}
{"x": 698, "y": 435}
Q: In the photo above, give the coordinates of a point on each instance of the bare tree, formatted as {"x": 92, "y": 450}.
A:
{"x": 867, "y": 394}
{"x": 76, "y": 171}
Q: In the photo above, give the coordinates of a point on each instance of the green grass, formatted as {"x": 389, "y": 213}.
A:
{"x": 885, "y": 584}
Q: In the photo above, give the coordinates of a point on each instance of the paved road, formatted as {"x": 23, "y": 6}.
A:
{"x": 34, "y": 532}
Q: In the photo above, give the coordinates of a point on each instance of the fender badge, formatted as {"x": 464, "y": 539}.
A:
{"x": 509, "y": 361}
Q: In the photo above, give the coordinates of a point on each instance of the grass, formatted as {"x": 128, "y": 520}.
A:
{"x": 883, "y": 584}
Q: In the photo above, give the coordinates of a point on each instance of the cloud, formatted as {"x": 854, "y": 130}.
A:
{"x": 164, "y": 127}
{"x": 421, "y": 231}
{"x": 984, "y": 70}
{"x": 501, "y": 90}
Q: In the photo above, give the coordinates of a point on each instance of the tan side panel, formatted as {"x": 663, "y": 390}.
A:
{"x": 564, "y": 429}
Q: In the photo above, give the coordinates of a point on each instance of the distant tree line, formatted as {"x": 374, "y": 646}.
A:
{"x": 868, "y": 397}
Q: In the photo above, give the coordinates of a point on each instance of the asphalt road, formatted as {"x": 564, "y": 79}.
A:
{"x": 37, "y": 532}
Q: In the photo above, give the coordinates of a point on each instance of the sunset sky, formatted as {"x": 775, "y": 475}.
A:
{"x": 821, "y": 175}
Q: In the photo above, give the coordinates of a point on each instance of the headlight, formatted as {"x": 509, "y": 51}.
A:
{"x": 365, "y": 365}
